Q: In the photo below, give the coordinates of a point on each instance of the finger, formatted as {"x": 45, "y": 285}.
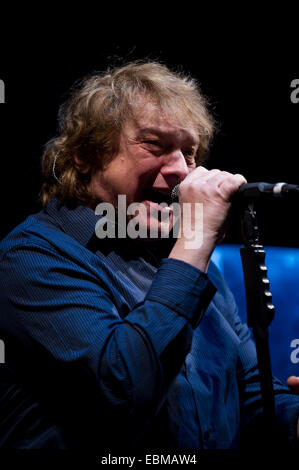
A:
{"x": 197, "y": 178}
{"x": 200, "y": 174}
{"x": 293, "y": 383}
{"x": 230, "y": 185}
{"x": 223, "y": 184}
{"x": 212, "y": 174}
{"x": 217, "y": 177}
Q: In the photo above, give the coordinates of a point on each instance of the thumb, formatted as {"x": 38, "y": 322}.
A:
{"x": 293, "y": 383}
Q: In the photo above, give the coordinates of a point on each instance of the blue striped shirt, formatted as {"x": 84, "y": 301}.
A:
{"x": 117, "y": 345}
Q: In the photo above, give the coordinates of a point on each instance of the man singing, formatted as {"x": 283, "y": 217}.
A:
{"x": 129, "y": 340}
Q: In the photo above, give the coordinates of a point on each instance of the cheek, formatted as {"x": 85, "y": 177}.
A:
{"x": 149, "y": 169}
{"x": 131, "y": 175}
{"x": 118, "y": 174}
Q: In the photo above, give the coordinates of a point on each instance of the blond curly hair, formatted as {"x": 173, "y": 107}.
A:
{"x": 91, "y": 120}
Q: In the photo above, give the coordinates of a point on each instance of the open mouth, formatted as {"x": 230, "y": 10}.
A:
{"x": 158, "y": 196}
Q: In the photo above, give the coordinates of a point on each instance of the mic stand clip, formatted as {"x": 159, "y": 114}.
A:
{"x": 260, "y": 310}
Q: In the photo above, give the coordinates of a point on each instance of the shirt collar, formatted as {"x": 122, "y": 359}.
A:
{"x": 77, "y": 221}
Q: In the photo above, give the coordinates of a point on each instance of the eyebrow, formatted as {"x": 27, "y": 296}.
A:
{"x": 162, "y": 133}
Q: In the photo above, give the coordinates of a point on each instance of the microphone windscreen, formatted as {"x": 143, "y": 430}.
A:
{"x": 175, "y": 194}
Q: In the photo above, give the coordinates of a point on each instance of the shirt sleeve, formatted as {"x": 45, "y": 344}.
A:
{"x": 62, "y": 310}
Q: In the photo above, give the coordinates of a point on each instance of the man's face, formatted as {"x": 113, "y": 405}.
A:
{"x": 155, "y": 154}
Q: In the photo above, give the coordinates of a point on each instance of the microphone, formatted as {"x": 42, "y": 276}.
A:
{"x": 251, "y": 191}
{"x": 266, "y": 190}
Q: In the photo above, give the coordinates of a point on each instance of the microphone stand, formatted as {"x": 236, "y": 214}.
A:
{"x": 260, "y": 311}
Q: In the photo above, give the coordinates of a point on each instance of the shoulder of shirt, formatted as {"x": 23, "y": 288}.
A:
{"x": 33, "y": 232}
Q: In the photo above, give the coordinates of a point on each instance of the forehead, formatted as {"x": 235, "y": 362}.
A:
{"x": 148, "y": 118}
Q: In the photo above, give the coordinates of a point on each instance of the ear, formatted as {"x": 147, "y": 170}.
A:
{"x": 81, "y": 167}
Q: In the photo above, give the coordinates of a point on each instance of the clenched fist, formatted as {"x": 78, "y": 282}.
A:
{"x": 214, "y": 190}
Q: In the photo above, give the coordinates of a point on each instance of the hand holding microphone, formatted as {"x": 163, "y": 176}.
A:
{"x": 214, "y": 189}
{"x": 253, "y": 191}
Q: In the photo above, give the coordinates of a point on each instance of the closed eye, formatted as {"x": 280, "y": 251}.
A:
{"x": 153, "y": 146}
{"x": 188, "y": 153}
{"x": 190, "y": 157}
{"x": 153, "y": 142}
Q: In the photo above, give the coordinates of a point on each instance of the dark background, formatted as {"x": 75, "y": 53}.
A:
{"x": 244, "y": 64}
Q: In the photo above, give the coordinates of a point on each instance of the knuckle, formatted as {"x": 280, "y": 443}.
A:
{"x": 241, "y": 178}
{"x": 231, "y": 179}
{"x": 226, "y": 173}
{"x": 201, "y": 170}
{"x": 194, "y": 185}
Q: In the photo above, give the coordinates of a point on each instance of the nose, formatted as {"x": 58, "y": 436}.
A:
{"x": 175, "y": 167}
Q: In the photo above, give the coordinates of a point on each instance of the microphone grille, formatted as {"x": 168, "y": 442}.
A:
{"x": 175, "y": 193}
